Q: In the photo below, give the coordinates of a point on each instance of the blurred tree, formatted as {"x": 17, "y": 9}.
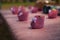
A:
{"x": 0, "y": 4}
{"x": 24, "y": 0}
{"x": 16, "y": 0}
{"x": 32, "y": 0}
{"x": 57, "y": 1}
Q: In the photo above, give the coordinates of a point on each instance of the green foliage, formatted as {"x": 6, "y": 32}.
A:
{"x": 8, "y": 5}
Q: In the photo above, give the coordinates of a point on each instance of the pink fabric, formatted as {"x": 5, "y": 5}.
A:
{"x": 21, "y": 8}
{"x": 33, "y": 9}
{"x": 29, "y": 7}
{"x": 24, "y": 16}
{"x": 53, "y": 14}
{"x": 14, "y": 10}
{"x": 39, "y": 22}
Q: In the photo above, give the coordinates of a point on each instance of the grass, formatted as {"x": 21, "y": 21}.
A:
{"x": 8, "y": 5}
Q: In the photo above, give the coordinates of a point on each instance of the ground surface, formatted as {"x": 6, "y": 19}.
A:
{"x": 5, "y": 34}
{"x": 22, "y": 31}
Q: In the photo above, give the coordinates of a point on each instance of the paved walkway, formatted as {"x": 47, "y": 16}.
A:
{"x": 22, "y": 31}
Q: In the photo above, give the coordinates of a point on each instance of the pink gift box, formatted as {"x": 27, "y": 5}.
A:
{"x": 30, "y": 7}
{"x": 40, "y": 9}
{"x": 14, "y": 10}
{"x": 23, "y": 16}
{"x": 37, "y": 22}
{"x": 21, "y": 8}
{"x": 53, "y": 13}
{"x": 33, "y": 9}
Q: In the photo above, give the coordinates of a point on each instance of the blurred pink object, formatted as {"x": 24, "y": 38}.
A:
{"x": 30, "y": 7}
{"x": 14, "y": 10}
{"x": 33, "y": 9}
{"x": 37, "y": 22}
{"x": 53, "y": 13}
{"x": 23, "y": 16}
{"x": 40, "y": 9}
{"x": 21, "y": 8}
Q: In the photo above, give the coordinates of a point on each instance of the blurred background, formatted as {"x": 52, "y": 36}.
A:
{"x": 5, "y": 34}
{"x": 8, "y": 3}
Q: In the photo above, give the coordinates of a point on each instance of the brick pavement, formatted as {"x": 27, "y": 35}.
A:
{"x": 22, "y": 31}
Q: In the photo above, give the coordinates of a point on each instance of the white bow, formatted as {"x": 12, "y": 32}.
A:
{"x": 20, "y": 14}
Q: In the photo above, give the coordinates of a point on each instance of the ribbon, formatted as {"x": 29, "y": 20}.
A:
{"x": 34, "y": 19}
{"x": 20, "y": 14}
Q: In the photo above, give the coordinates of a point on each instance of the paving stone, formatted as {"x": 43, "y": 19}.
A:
{"x": 21, "y": 30}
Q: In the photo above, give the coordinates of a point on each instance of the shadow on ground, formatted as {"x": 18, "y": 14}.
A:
{"x": 5, "y": 33}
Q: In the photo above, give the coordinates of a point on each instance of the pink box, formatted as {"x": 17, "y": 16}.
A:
{"x": 37, "y": 22}
{"x": 53, "y": 13}
{"x": 20, "y": 9}
{"x": 40, "y": 9}
{"x": 33, "y": 9}
{"x": 14, "y": 10}
{"x": 23, "y": 16}
{"x": 29, "y": 7}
